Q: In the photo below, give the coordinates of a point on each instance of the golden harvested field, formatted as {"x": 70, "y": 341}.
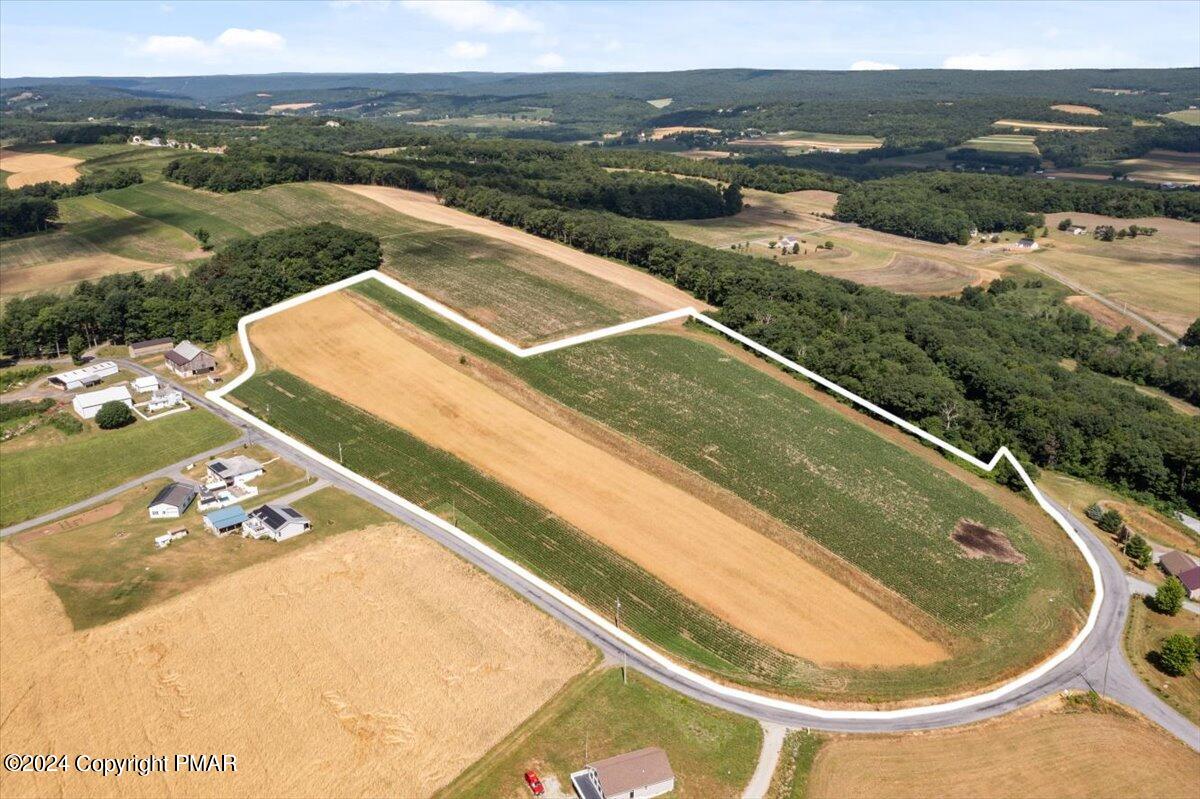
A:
{"x": 1165, "y": 166}
{"x": 433, "y": 671}
{"x": 759, "y": 586}
{"x": 1025, "y": 124}
{"x": 1040, "y": 752}
{"x": 914, "y": 274}
{"x": 1158, "y": 276}
{"x": 291, "y": 106}
{"x": 846, "y": 143}
{"x": 61, "y": 275}
{"x": 1067, "y": 108}
{"x": 29, "y": 168}
{"x": 659, "y": 134}
{"x": 426, "y": 208}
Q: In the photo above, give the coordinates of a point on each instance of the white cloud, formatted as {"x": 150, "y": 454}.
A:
{"x": 1043, "y": 58}
{"x": 233, "y": 41}
{"x": 467, "y": 50}
{"x": 864, "y": 66}
{"x": 549, "y": 60}
{"x": 475, "y": 15}
{"x": 257, "y": 39}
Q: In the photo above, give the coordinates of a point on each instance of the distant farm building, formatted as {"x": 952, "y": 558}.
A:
{"x": 145, "y": 385}
{"x": 149, "y": 347}
{"x": 84, "y": 376}
{"x": 224, "y": 521}
{"x": 172, "y": 501}
{"x": 1076, "y": 230}
{"x": 277, "y": 522}
{"x": 1026, "y": 244}
{"x": 787, "y": 242}
{"x": 89, "y": 404}
{"x": 188, "y": 360}
{"x": 634, "y": 775}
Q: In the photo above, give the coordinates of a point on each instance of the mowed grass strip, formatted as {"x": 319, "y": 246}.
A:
{"x": 36, "y": 480}
{"x": 880, "y": 507}
{"x": 518, "y": 528}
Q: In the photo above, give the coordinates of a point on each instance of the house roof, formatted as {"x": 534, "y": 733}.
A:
{"x": 150, "y": 342}
{"x": 1176, "y": 563}
{"x": 226, "y": 517}
{"x": 176, "y": 494}
{"x": 1026, "y": 243}
{"x": 278, "y": 516}
{"x": 94, "y": 398}
{"x": 146, "y": 382}
{"x": 184, "y": 352}
{"x": 632, "y": 770}
{"x": 1190, "y": 579}
{"x": 234, "y": 466}
{"x": 85, "y": 372}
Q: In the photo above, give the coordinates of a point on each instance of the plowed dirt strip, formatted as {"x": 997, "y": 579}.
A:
{"x": 372, "y": 664}
{"x": 730, "y": 569}
{"x": 426, "y": 208}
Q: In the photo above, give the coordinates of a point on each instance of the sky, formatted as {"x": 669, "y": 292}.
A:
{"x": 194, "y": 38}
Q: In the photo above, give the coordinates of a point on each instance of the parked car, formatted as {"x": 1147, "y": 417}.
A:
{"x": 535, "y": 784}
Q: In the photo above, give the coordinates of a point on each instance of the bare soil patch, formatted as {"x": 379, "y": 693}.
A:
{"x": 96, "y": 514}
{"x": 732, "y": 570}
{"x": 978, "y": 541}
{"x": 30, "y": 168}
{"x": 435, "y": 669}
{"x": 426, "y": 208}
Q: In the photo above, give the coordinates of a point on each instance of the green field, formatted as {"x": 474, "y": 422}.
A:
{"x": 1004, "y": 143}
{"x": 712, "y": 752}
{"x": 1190, "y": 116}
{"x": 58, "y": 471}
{"x": 108, "y": 568}
{"x": 110, "y": 227}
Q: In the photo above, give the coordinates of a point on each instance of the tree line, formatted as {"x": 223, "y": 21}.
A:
{"x": 980, "y": 370}
{"x": 31, "y": 209}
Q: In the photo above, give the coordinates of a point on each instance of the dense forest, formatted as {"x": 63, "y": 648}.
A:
{"x": 981, "y": 371}
{"x": 31, "y": 209}
{"x": 945, "y": 206}
{"x": 205, "y": 305}
{"x": 1065, "y": 149}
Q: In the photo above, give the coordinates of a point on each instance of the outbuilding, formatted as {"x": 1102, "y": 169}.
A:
{"x": 89, "y": 404}
{"x": 1027, "y": 244}
{"x": 188, "y": 360}
{"x": 84, "y": 376}
{"x": 172, "y": 501}
{"x": 641, "y": 774}
{"x": 149, "y": 347}
{"x": 277, "y": 522}
{"x": 225, "y": 521}
{"x": 146, "y": 384}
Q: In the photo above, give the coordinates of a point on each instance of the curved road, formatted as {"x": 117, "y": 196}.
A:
{"x": 1099, "y": 664}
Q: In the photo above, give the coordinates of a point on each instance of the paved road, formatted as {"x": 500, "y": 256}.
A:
{"x": 1098, "y": 664}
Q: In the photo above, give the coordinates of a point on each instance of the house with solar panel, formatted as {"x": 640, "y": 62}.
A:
{"x": 277, "y": 522}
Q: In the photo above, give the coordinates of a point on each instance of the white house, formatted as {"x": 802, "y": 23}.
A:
{"x": 277, "y": 522}
{"x": 165, "y": 397}
{"x": 172, "y": 501}
{"x": 1076, "y": 230}
{"x": 642, "y": 774}
{"x": 144, "y": 385}
{"x": 1027, "y": 244}
{"x": 84, "y": 376}
{"x": 234, "y": 471}
{"x": 89, "y": 404}
{"x": 787, "y": 242}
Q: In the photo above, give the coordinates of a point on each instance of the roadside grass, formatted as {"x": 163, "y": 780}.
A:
{"x": 790, "y": 780}
{"x": 61, "y": 471}
{"x": 1145, "y": 632}
{"x": 712, "y": 752}
{"x": 105, "y": 569}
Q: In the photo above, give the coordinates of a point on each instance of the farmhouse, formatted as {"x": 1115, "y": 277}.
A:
{"x": 188, "y": 360}
{"x": 1177, "y": 564}
{"x": 172, "y": 501}
{"x": 277, "y": 522}
{"x": 83, "y": 377}
{"x": 1026, "y": 244}
{"x": 149, "y": 347}
{"x": 234, "y": 471}
{"x": 637, "y": 775}
{"x": 787, "y": 242}
{"x": 164, "y": 397}
{"x": 225, "y": 521}
{"x": 89, "y": 404}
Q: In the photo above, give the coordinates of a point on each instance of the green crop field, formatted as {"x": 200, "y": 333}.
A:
{"x": 1004, "y": 143}
{"x": 35, "y": 480}
{"x": 712, "y": 752}
{"x": 120, "y": 231}
{"x": 1191, "y": 116}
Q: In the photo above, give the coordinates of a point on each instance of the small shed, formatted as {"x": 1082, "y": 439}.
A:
{"x": 225, "y": 521}
{"x": 89, "y": 404}
{"x": 172, "y": 501}
{"x": 149, "y": 347}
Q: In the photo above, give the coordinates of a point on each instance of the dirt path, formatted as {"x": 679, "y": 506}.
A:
{"x": 426, "y": 208}
{"x": 730, "y": 569}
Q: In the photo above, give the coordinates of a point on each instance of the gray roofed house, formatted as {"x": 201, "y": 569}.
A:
{"x": 187, "y": 360}
{"x": 236, "y": 469}
{"x": 278, "y": 522}
{"x": 641, "y": 774}
{"x": 172, "y": 501}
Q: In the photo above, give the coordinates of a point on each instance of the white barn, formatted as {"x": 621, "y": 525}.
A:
{"x": 144, "y": 385}
{"x": 88, "y": 405}
{"x": 84, "y": 376}
{"x": 172, "y": 501}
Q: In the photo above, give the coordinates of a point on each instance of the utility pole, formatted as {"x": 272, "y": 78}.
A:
{"x": 618, "y": 613}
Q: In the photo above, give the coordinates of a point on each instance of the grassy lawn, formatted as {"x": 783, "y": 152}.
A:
{"x": 62, "y": 470}
{"x": 790, "y": 780}
{"x": 106, "y": 568}
{"x": 712, "y": 752}
{"x": 1144, "y": 633}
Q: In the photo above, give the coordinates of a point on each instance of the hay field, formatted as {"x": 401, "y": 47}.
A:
{"x": 29, "y": 168}
{"x": 803, "y": 140}
{"x": 290, "y": 106}
{"x": 1165, "y": 166}
{"x": 435, "y": 669}
{"x": 1157, "y": 276}
{"x": 1068, "y": 108}
{"x": 765, "y": 216}
{"x": 1025, "y": 124}
{"x": 658, "y": 134}
{"x": 752, "y": 582}
{"x": 1145, "y": 632}
{"x": 1004, "y": 143}
{"x": 1190, "y": 116}
{"x": 1044, "y": 751}
{"x": 426, "y": 208}
{"x": 916, "y": 275}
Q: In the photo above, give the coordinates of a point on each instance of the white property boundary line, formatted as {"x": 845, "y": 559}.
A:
{"x": 687, "y": 675}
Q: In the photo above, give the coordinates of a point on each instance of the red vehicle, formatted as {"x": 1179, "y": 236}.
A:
{"x": 535, "y": 785}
